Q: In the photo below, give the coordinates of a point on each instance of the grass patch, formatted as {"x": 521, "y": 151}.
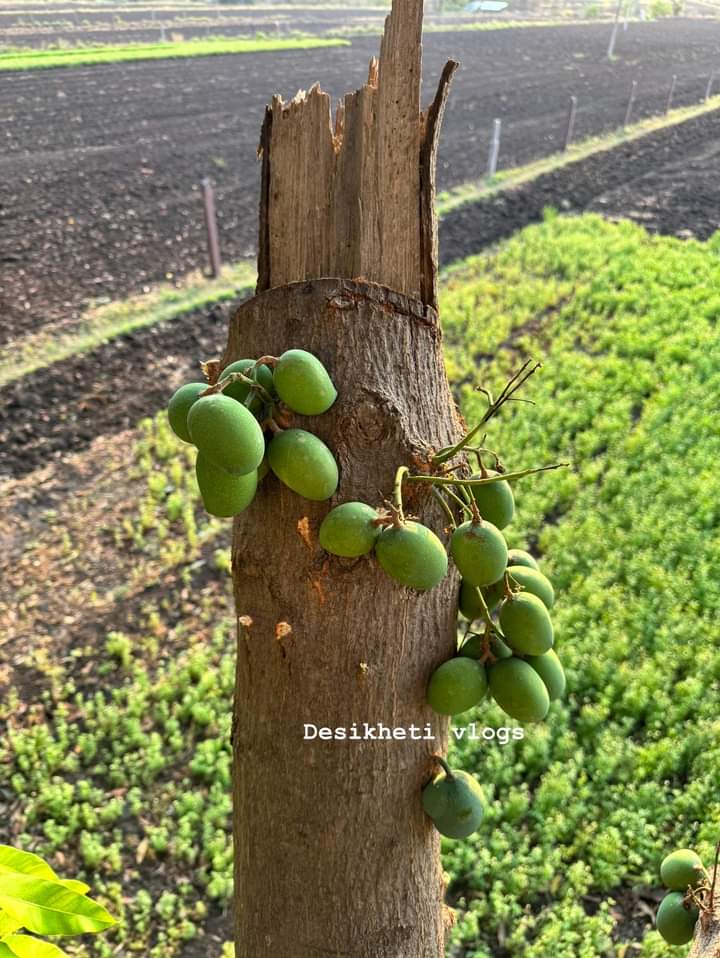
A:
{"x": 471, "y": 192}
{"x": 117, "y": 757}
{"x": 108, "y": 53}
{"x": 102, "y": 323}
{"x": 460, "y": 26}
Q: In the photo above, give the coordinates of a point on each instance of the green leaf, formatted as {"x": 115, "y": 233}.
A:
{"x": 23, "y": 946}
{"x": 14, "y": 860}
{"x": 8, "y": 925}
{"x": 5, "y": 951}
{"x": 49, "y": 907}
{"x": 79, "y": 886}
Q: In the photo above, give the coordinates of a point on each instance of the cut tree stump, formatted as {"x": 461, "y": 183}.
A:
{"x": 333, "y": 853}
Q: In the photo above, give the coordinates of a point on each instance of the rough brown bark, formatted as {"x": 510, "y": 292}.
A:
{"x": 333, "y": 853}
{"x": 706, "y": 943}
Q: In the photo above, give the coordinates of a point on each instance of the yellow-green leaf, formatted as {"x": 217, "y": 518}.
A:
{"x": 14, "y": 860}
{"x": 5, "y": 951}
{"x": 79, "y": 886}
{"x": 7, "y": 924}
{"x": 49, "y": 907}
{"x": 23, "y": 946}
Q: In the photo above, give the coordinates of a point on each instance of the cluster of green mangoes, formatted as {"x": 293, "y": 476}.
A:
{"x": 513, "y": 659}
{"x": 454, "y": 802}
{"x": 682, "y": 873}
{"x": 230, "y": 425}
{"x": 408, "y": 551}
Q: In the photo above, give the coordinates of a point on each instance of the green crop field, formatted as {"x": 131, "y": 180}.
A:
{"x": 109, "y": 53}
{"x": 116, "y": 757}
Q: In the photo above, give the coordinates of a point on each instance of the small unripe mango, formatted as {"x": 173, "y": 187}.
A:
{"x": 456, "y": 686}
{"x": 521, "y": 557}
{"x": 550, "y": 670}
{"x": 304, "y": 464}
{"x": 179, "y": 407}
{"x": 479, "y": 551}
{"x": 526, "y": 625}
{"x": 532, "y": 580}
{"x": 454, "y": 803}
{"x": 674, "y": 921}
{"x": 495, "y": 500}
{"x": 469, "y": 602}
{"x": 239, "y": 390}
{"x": 227, "y": 434}
{"x": 303, "y": 383}
{"x": 681, "y": 869}
{"x": 518, "y": 690}
{"x": 412, "y": 554}
{"x": 222, "y": 494}
{"x": 348, "y": 530}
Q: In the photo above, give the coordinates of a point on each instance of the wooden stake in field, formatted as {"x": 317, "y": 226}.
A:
{"x": 708, "y": 89}
{"x": 333, "y": 852}
{"x": 671, "y": 94}
{"x": 494, "y": 148}
{"x": 570, "y": 128}
{"x": 631, "y": 104}
{"x": 614, "y": 33}
{"x": 211, "y": 227}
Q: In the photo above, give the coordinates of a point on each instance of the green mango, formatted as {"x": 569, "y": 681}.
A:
{"x": 303, "y": 384}
{"x": 521, "y": 557}
{"x": 470, "y": 604}
{"x": 518, "y": 690}
{"x": 412, "y": 554}
{"x": 681, "y": 869}
{"x": 495, "y": 501}
{"x": 263, "y": 469}
{"x": 456, "y": 686}
{"x": 179, "y": 407}
{"x": 526, "y": 624}
{"x": 532, "y": 580}
{"x": 304, "y": 464}
{"x": 222, "y": 494}
{"x": 674, "y": 921}
{"x": 454, "y": 803}
{"x": 227, "y": 434}
{"x": 348, "y": 530}
{"x": 239, "y": 390}
{"x": 479, "y": 551}
{"x": 550, "y": 670}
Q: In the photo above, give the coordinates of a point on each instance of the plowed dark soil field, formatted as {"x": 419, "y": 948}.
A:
{"x": 100, "y": 173}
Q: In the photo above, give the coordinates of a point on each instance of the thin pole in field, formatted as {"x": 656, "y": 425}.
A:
{"x": 570, "y": 129}
{"x": 613, "y": 35}
{"x": 671, "y": 93}
{"x": 494, "y": 148}
{"x": 631, "y": 103}
{"x": 708, "y": 91}
{"x": 211, "y": 226}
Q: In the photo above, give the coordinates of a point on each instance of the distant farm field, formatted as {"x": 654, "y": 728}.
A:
{"x": 117, "y": 623}
{"x": 101, "y": 168}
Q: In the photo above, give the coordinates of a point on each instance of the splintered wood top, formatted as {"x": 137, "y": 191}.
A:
{"x": 354, "y": 198}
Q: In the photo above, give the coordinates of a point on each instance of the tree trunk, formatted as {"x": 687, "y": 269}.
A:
{"x": 333, "y": 853}
{"x": 706, "y": 943}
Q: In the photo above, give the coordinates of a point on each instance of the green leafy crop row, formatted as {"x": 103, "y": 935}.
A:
{"x": 584, "y": 808}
